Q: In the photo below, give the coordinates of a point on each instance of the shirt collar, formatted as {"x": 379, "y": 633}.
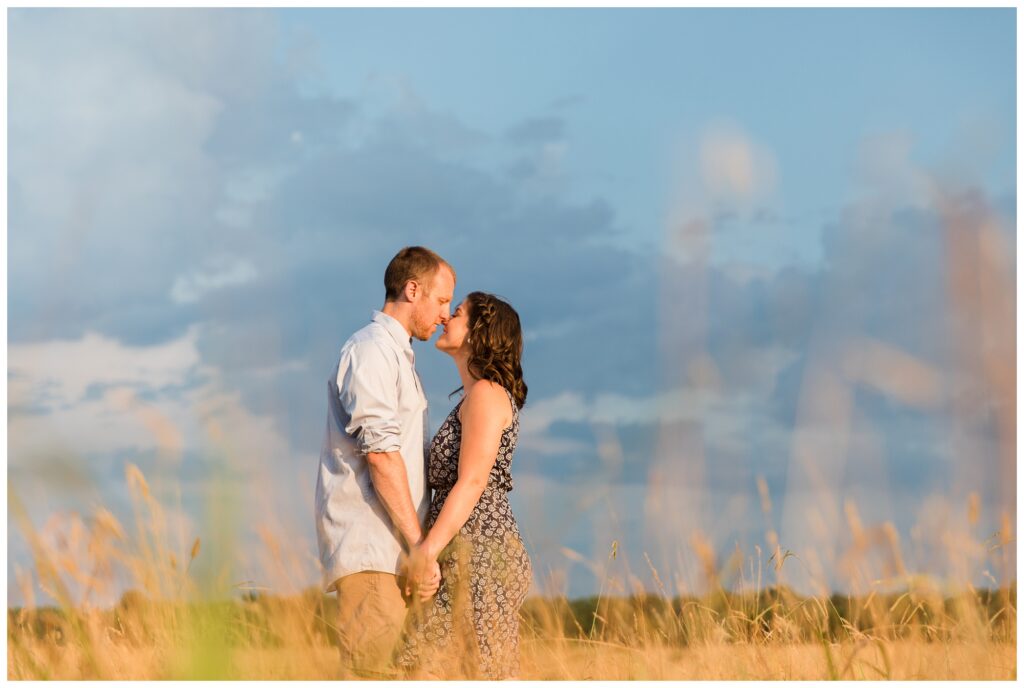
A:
{"x": 395, "y": 329}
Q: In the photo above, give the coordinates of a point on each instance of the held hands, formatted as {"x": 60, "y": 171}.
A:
{"x": 422, "y": 574}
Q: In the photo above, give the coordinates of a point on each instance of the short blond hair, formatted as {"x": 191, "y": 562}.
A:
{"x": 412, "y": 263}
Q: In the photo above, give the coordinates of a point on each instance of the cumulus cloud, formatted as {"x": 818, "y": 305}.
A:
{"x": 58, "y": 373}
{"x": 96, "y": 396}
{"x": 127, "y": 145}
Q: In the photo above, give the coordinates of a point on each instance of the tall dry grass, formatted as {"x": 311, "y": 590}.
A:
{"x": 174, "y": 624}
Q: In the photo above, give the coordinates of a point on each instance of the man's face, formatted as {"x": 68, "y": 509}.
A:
{"x": 432, "y": 307}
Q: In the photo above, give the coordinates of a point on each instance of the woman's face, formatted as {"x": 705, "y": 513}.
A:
{"x": 453, "y": 337}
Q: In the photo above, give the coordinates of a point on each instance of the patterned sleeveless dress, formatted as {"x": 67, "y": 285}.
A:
{"x": 470, "y": 628}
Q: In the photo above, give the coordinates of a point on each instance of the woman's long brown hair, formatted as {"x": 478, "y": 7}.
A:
{"x": 495, "y": 341}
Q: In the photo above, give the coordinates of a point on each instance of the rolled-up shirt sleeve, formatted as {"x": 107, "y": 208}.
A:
{"x": 368, "y": 391}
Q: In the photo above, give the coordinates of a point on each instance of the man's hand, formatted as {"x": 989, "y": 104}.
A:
{"x": 422, "y": 574}
{"x": 428, "y": 588}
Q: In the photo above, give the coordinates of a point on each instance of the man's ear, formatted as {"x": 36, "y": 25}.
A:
{"x": 412, "y": 288}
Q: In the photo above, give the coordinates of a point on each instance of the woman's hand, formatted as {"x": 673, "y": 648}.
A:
{"x": 423, "y": 574}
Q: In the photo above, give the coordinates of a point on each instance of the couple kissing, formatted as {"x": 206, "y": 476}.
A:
{"x": 416, "y": 535}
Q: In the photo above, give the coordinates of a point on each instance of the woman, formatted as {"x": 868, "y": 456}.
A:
{"x": 470, "y": 628}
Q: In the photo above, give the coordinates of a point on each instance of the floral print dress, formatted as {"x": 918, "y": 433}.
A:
{"x": 470, "y": 628}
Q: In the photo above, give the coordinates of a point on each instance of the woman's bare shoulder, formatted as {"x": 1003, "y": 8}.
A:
{"x": 485, "y": 392}
{"x": 487, "y": 397}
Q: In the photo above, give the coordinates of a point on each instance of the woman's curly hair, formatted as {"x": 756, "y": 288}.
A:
{"x": 495, "y": 340}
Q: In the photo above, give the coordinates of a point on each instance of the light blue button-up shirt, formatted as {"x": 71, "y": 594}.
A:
{"x": 375, "y": 403}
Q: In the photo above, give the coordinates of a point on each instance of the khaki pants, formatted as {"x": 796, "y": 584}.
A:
{"x": 371, "y": 612}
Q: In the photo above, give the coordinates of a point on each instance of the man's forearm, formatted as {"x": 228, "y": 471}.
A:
{"x": 387, "y": 472}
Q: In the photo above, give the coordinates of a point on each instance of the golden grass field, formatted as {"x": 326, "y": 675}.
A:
{"x": 172, "y": 626}
{"x": 196, "y": 643}
{"x": 567, "y": 660}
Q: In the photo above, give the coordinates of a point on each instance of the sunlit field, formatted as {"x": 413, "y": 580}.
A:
{"x": 170, "y": 625}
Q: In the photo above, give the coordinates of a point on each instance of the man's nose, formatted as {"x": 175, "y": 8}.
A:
{"x": 445, "y": 316}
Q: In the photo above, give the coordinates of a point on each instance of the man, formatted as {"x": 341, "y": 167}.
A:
{"x": 371, "y": 493}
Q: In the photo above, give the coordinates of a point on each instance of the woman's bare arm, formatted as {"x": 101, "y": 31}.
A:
{"x": 485, "y": 414}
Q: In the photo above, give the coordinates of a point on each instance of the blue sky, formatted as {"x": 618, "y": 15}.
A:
{"x": 732, "y": 236}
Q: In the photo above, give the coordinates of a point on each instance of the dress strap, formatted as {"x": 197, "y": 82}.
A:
{"x": 512, "y": 400}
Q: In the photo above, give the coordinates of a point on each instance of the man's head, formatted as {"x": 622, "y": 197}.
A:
{"x": 418, "y": 285}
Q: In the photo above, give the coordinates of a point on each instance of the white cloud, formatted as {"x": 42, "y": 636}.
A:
{"x": 721, "y": 411}
{"x": 136, "y": 139}
{"x": 193, "y": 286}
{"x": 58, "y": 373}
{"x": 96, "y": 396}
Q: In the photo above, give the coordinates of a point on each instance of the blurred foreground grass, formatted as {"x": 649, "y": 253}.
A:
{"x": 175, "y": 624}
